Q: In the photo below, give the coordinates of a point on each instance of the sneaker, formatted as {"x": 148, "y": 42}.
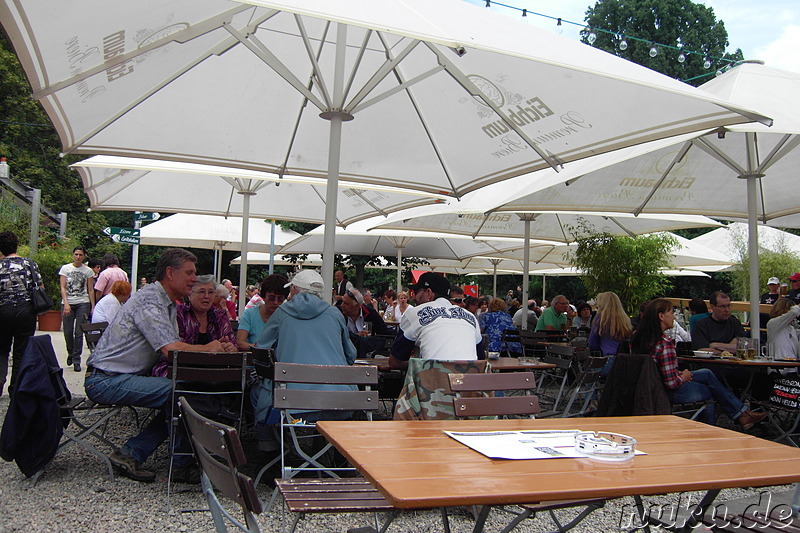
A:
{"x": 130, "y": 467}
{"x": 186, "y": 474}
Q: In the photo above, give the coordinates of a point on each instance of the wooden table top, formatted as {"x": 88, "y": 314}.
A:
{"x": 741, "y": 362}
{"x": 513, "y": 363}
{"x": 415, "y": 465}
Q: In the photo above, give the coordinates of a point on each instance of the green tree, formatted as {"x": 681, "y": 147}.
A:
{"x": 676, "y": 23}
{"x": 779, "y": 261}
{"x": 628, "y": 266}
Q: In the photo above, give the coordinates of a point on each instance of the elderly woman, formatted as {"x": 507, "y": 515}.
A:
{"x": 782, "y": 339}
{"x": 494, "y": 322}
{"x": 222, "y": 302}
{"x": 199, "y": 322}
{"x": 106, "y": 309}
{"x": 273, "y": 292}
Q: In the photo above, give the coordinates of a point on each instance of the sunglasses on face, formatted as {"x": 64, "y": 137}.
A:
{"x": 275, "y": 298}
{"x": 457, "y": 300}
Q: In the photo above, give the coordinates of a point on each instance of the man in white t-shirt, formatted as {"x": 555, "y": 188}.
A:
{"x": 77, "y": 303}
{"x": 442, "y": 330}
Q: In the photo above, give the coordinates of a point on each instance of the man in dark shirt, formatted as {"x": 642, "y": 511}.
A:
{"x": 794, "y": 291}
{"x": 719, "y": 331}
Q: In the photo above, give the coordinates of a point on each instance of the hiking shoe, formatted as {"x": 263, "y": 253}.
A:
{"x": 186, "y": 474}
{"x": 130, "y": 467}
{"x": 750, "y": 418}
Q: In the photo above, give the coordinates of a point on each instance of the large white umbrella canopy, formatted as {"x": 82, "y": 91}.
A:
{"x": 731, "y": 239}
{"x": 264, "y": 258}
{"x": 745, "y": 172}
{"x": 358, "y": 239}
{"x": 213, "y": 233}
{"x": 443, "y": 96}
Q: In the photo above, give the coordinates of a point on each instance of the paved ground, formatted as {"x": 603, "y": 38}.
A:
{"x": 74, "y": 379}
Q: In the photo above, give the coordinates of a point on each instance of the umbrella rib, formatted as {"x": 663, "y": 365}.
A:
{"x": 296, "y": 127}
{"x": 380, "y": 74}
{"x": 322, "y": 198}
{"x": 357, "y": 64}
{"x": 720, "y": 156}
{"x": 787, "y": 143}
{"x": 263, "y": 53}
{"x": 313, "y": 58}
{"x": 360, "y": 194}
{"x": 680, "y": 155}
{"x": 623, "y": 228}
{"x": 115, "y": 177}
{"x": 473, "y": 90}
{"x": 183, "y": 36}
{"x": 402, "y": 87}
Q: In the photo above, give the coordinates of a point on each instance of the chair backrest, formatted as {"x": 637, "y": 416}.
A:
{"x": 219, "y": 451}
{"x": 264, "y": 362}
{"x": 92, "y": 333}
{"x": 325, "y": 400}
{"x": 426, "y": 393}
{"x": 208, "y": 366}
{"x": 490, "y": 405}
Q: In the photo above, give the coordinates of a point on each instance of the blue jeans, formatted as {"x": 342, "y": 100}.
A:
{"x": 73, "y": 335}
{"x": 705, "y": 386}
{"x": 141, "y": 391}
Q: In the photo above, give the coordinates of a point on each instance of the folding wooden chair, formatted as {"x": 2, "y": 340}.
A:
{"x": 507, "y": 337}
{"x": 490, "y": 405}
{"x": 219, "y": 453}
{"x": 209, "y": 374}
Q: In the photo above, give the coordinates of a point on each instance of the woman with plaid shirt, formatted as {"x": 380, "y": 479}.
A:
{"x": 685, "y": 386}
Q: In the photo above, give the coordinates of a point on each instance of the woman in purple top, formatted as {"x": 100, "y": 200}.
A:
{"x": 611, "y": 326}
{"x": 198, "y": 321}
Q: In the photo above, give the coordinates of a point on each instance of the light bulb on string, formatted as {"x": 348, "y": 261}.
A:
{"x": 681, "y": 57}
{"x": 718, "y": 73}
{"x": 559, "y": 27}
{"x": 592, "y": 37}
{"x": 623, "y": 44}
{"x": 707, "y": 63}
{"x": 653, "y": 51}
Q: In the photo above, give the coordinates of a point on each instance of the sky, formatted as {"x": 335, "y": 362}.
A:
{"x": 768, "y": 30}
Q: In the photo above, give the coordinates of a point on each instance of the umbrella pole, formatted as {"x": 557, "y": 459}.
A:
{"x": 336, "y": 116}
{"x": 494, "y": 277}
{"x": 245, "y": 241}
{"x": 752, "y": 233}
{"x": 272, "y": 248}
{"x": 399, "y": 268}
{"x": 526, "y": 219}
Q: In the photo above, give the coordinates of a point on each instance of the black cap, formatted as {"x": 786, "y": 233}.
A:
{"x": 433, "y": 281}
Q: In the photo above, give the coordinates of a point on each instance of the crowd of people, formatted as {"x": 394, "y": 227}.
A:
{"x": 181, "y": 310}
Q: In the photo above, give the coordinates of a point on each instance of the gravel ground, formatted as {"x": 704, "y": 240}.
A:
{"x": 75, "y": 494}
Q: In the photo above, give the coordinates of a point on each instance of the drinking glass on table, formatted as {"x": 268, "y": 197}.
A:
{"x": 368, "y": 328}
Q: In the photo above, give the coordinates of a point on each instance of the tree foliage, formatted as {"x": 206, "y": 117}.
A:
{"x": 628, "y": 266}
{"x": 677, "y": 23}
{"x": 779, "y": 261}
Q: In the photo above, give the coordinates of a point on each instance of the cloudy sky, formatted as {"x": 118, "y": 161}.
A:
{"x": 764, "y": 29}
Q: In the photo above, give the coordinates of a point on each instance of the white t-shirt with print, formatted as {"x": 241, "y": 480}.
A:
{"x": 76, "y": 282}
{"x": 442, "y": 330}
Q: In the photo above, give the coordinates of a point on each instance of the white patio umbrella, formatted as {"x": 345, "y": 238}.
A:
{"x": 264, "y": 258}
{"x": 728, "y": 240}
{"x": 743, "y": 172}
{"x": 124, "y": 183}
{"x": 358, "y": 239}
{"x": 213, "y": 233}
{"x": 443, "y": 96}
{"x": 469, "y": 218}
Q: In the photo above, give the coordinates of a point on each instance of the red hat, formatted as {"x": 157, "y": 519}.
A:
{"x": 795, "y": 277}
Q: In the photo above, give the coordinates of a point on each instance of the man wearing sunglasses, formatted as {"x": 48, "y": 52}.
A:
{"x": 457, "y": 297}
{"x": 441, "y": 330}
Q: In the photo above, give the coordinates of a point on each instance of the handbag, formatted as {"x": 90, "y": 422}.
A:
{"x": 39, "y": 298}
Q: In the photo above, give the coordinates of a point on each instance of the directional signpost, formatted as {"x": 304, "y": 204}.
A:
{"x": 146, "y": 217}
{"x": 123, "y": 235}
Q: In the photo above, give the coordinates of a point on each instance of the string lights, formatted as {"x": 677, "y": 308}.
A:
{"x": 622, "y": 41}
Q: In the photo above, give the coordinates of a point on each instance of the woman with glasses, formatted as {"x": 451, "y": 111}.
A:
{"x": 253, "y": 320}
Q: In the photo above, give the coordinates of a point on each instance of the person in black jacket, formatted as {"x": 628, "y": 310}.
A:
{"x": 362, "y": 323}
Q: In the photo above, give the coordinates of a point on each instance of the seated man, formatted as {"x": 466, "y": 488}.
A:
{"x": 307, "y": 330}
{"x": 357, "y": 316}
{"x": 442, "y": 330}
{"x": 557, "y": 317}
{"x": 120, "y": 366}
{"x": 530, "y": 314}
{"x": 719, "y": 331}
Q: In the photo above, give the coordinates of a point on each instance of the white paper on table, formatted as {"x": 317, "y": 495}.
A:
{"x": 544, "y": 444}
